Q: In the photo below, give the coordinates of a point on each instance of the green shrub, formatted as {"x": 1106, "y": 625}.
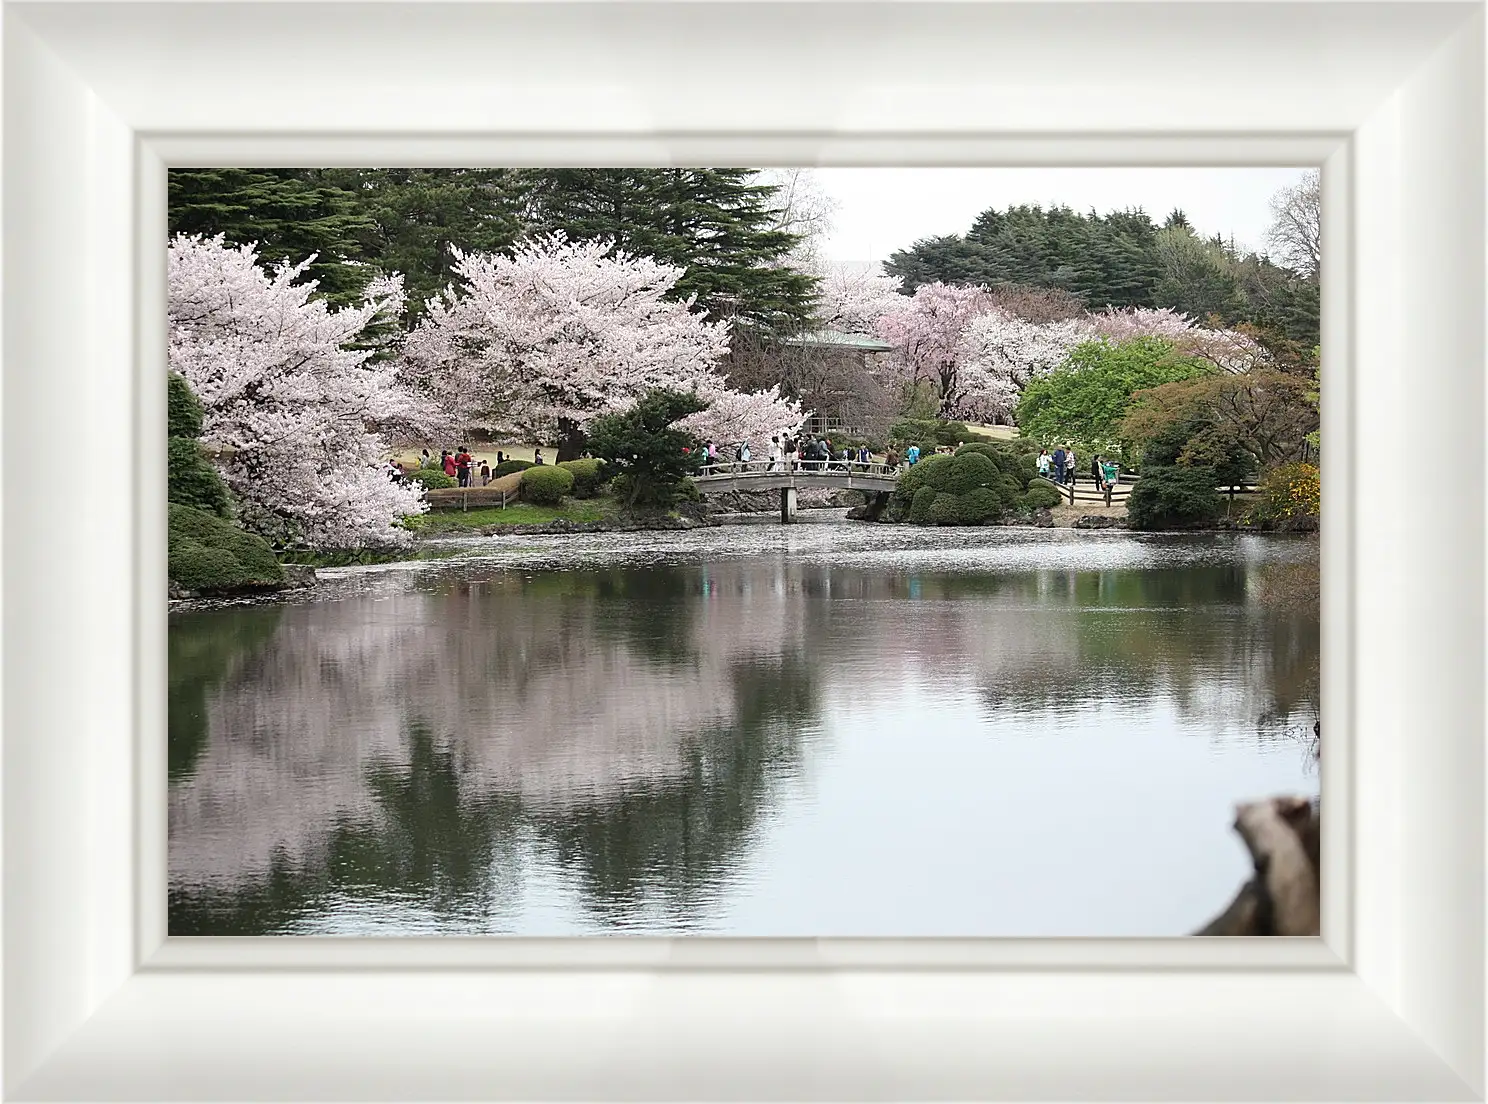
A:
{"x": 1287, "y": 493}
{"x": 953, "y": 433}
{"x": 981, "y": 505}
{"x": 432, "y": 479}
{"x": 1170, "y": 496}
{"x": 909, "y": 430}
{"x": 964, "y": 473}
{"x": 506, "y": 467}
{"x": 191, "y": 480}
{"x": 543, "y": 485}
{"x": 919, "y": 510}
{"x": 920, "y": 475}
{"x": 1040, "y": 496}
{"x": 588, "y": 477}
{"x": 946, "y": 509}
{"x": 206, "y": 553}
{"x": 183, "y": 410}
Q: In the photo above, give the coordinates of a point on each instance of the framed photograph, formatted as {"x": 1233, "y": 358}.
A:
{"x": 709, "y": 846}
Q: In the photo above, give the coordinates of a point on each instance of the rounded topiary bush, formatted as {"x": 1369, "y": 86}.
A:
{"x": 980, "y": 506}
{"x": 432, "y": 479}
{"x": 1040, "y": 496}
{"x": 546, "y": 486}
{"x": 919, "y": 510}
{"x": 945, "y": 509}
{"x": 191, "y": 480}
{"x": 206, "y": 553}
{"x": 964, "y": 473}
{"x": 588, "y": 476}
{"x": 506, "y": 467}
{"x": 1173, "y": 497}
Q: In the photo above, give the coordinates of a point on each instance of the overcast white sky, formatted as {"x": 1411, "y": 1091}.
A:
{"x": 882, "y": 210}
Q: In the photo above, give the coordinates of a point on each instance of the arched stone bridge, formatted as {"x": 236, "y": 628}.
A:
{"x": 763, "y": 475}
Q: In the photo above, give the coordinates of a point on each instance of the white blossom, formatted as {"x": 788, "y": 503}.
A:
{"x": 288, "y": 400}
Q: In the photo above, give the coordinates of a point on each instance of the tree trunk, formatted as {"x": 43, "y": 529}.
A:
{"x": 571, "y": 440}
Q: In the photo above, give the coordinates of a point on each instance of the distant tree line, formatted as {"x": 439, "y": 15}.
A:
{"x": 1123, "y": 259}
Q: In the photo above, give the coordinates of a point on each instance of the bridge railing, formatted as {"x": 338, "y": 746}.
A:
{"x": 724, "y": 468}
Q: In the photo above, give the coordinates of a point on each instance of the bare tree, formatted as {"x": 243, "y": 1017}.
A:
{"x": 1296, "y": 225}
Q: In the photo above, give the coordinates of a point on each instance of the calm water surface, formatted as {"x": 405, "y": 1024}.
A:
{"x": 817, "y": 730}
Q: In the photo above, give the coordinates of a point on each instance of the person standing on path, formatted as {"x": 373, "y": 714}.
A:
{"x": 485, "y": 473}
{"x": 1059, "y": 464}
{"x": 1043, "y": 463}
{"x": 1110, "y": 473}
{"x": 537, "y": 457}
{"x": 426, "y": 460}
{"x": 447, "y": 462}
{"x": 462, "y": 466}
{"x": 1069, "y": 464}
{"x": 776, "y": 453}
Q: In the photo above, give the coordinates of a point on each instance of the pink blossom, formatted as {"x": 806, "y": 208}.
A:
{"x": 288, "y": 403}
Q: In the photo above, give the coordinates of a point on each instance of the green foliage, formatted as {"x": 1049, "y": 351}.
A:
{"x": 1084, "y": 401}
{"x": 648, "y": 456}
{"x": 432, "y": 479}
{"x": 1122, "y": 259}
{"x": 965, "y": 473}
{"x": 290, "y": 213}
{"x": 588, "y": 477}
{"x": 715, "y": 223}
{"x": 920, "y": 503}
{"x": 929, "y": 433}
{"x": 545, "y": 485}
{"x": 191, "y": 479}
{"x": 1174, "y": 497}
{"x": 211, "y": 555}
{"x": 982, "y": 504}
{"x": 184, "y": 411}
{"x": 1287, "y": 493}
{"x": 1040, "y": 496}
{"x": 972, "y": 487}
{"x": 506, "y": 467}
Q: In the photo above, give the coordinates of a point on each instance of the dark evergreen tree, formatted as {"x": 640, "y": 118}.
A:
{"x": 289, "y": 213}
{"x": 715, "y": 223}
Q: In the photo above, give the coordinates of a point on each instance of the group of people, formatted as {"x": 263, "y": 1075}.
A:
{"x": 1060, "y": 467}
{"x": 789, "y": 452}
{"x": 458, "y": 464}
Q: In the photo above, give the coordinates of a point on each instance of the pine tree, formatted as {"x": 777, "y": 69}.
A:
{"x": 714, "y": 223}
{"x": 289, "y": 213}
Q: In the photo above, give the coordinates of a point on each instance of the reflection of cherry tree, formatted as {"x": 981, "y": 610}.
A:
{"x": 639, "y": 719}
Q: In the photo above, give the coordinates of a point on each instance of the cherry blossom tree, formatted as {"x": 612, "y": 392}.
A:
{"x": 853, "y": 297}
{"x": 928, "y": 333}
{"x": 288, "y": 396}
{"x": 1228, "y": 350}
{"x": 553, "y": 333}
{"x": 1000, "y": 353}
{"x": 735, "y": 416}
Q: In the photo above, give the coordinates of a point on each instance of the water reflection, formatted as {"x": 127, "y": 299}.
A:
{"x": 565, "y": 739}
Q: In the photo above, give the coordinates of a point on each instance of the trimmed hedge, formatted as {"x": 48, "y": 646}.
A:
{"x": 1041, "y": 496}
{"x": 588, "y": 477}
{"x": 919, "y": 510}
{"x": 506, "y": 467}
{"x": 191, "y": 480}
{"x": 1171, "y": 496}
{"x": 432, "y": 478}
{"x": 545, "y": 485}
{"x": 211, "y": 555}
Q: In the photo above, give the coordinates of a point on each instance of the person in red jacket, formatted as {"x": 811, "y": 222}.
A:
{"x": 447, "y": 462}
{"x": 462, "y": 466}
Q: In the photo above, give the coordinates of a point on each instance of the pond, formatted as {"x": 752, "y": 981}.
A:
{"x": 816, "y": 730}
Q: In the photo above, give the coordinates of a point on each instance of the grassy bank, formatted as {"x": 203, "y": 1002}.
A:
{"x": 518, "y": 513}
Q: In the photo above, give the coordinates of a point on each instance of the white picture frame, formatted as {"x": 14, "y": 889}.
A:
{"x": 101, "y": 97}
